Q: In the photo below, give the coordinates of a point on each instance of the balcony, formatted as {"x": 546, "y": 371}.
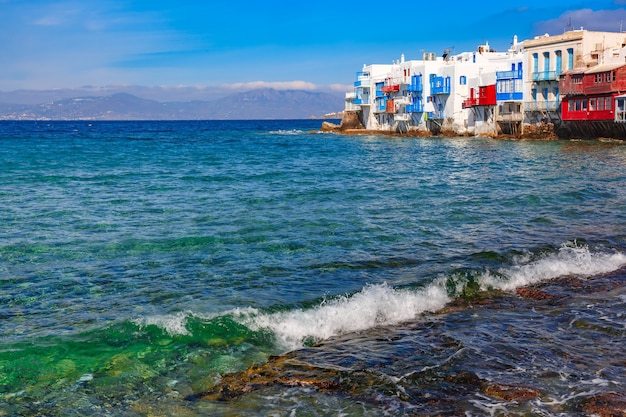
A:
{"x": 402, "y": 101}
{"x": 362, "y": 79}
{"x": 544, "y": 76}
{"x": 439, "y": 84}
{"x": 362, "y": 101}
{"x": 542, "y": 105}
{"x": 470, "y": 102}
{"x": 415, "y": 108}
{"x": 510, "y": 96}
{"x": 510, "y": 117}
{"x": 416, "y": 85}
{"x": 509, "y": 75}
{"x": 415, "y": 88}
{"x": 393, "y": 88}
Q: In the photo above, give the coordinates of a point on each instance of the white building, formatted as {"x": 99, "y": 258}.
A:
{"x": 434, "y": 93}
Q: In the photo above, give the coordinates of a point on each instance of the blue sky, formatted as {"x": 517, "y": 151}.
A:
{"x": 46, "y": 44}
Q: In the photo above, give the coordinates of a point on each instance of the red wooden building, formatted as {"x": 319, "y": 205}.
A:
{"x": 591, "y": 101}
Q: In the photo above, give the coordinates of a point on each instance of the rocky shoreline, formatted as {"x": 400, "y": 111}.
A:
{"x": 301, "y": 368}
{"x": 351, "y": 125}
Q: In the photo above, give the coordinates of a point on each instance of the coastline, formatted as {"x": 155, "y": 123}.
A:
{"x": 351, "y": 125}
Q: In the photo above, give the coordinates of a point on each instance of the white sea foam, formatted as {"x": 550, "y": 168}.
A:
{"x": 381, "y": 304}
{"x": 374, "y": 305}
{"x": 173, "y": 324}
{"x": 569, "y": 260}
{"x": 287, "y": 132}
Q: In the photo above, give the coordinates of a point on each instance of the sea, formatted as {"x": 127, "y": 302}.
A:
{"x": 262, "y": 268}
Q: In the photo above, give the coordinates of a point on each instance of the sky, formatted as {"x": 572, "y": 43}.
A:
{"x": 190, "y": 47}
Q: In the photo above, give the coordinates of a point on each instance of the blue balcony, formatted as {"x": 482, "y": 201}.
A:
{"x": 379, "y": 90}
{"x": 510, "y": 96}
{"x": 381, "y": 104}
{"x": 416, "y": 86}
{"x": 362, "y": 79}
{"x": 415, "y": 108}
{"x": 439, "y": 84}
{"x": 544, "y": 76}
{"x": 509, "y": 75}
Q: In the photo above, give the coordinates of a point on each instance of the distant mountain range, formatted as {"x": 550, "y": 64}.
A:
{"x": 250, "y": 105}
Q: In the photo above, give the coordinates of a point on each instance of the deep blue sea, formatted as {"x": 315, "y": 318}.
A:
{"x": 242, "y": 268}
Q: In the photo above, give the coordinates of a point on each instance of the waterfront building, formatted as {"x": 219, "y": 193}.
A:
{"x": 549, "y": 56}
{"x": 594, "y": 103}
{"x": 485, "y": 92}
{"x": 432, "y": 94}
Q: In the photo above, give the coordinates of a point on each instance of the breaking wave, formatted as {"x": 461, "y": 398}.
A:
{"x": 381, "y": 304}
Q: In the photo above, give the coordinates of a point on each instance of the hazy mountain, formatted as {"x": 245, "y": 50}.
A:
{"x": 254, "y": 104}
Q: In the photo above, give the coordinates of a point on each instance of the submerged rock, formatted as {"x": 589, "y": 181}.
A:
{"x": 278, "y": 370}
{"x": 606, "y": 405}
{"x": 511, "y": 392}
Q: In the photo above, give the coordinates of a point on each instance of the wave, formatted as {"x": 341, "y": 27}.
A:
{"x": 287, "y": 132}
{"x": 570, "y": 259}
{"x": 382, "y": 305}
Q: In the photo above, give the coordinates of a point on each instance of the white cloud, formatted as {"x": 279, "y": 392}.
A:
{"x": 278, "y": 85}
{"x": 598, "y": 20}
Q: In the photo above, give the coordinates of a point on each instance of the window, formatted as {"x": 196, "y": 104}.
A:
{"x": 546, "y": 61}
{"x": 559, "y": 62}
{"x": 535, "y": 62}
{"x": 608, "y": 103}
{"x": 463, "y": 80}
{"x": 570, "y": 58}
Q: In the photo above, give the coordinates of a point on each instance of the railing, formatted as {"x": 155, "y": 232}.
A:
{"x": 544, "y": 76}
{"x": 362, "y": 78}
{"x": 402, "y": 100}
{"x": 439, "y": 84}
{"x": 440, "y": 89}
{"x": 391, "y": 88}
{"x": 415, "y": 108}
{"x": 470, "y": 102}
{"x": 509, "y": 75}
{"x": 510, "y": 117}
{"x": 361, "y": 101}
{"x": 415, "y": 88}
{"x": 541, "y": 105}
{"x": 350, "y": 106}
{"x": 510, "y": 96}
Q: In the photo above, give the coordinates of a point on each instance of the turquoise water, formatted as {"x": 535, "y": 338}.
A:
{"x": 141, "y": 262}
